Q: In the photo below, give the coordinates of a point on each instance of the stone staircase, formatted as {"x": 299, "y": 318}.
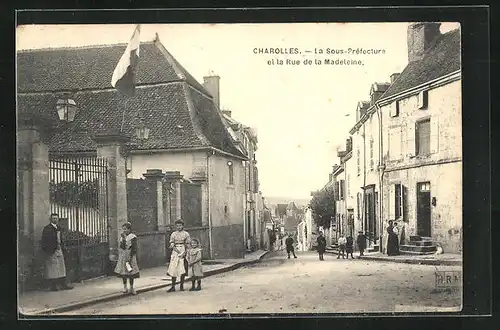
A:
{"x": 418, "y": 246}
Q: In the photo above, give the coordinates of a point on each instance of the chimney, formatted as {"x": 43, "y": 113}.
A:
{"x": 211, "y": 84}
{"x": 419, "y": 38}
{"x": 394, "y": 76}
{"x": 348, "y": 143}
{"x": 227, "y": 113}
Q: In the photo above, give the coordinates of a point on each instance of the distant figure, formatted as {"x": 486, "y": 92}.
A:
{"x": 349, "y": 246}
{"x": 289, "y": 246}
{"x": 195, "y": 269}
{"x": 127, "y": 267}
{"x": 53, "y": 246}
{"x": 321, "y": 245}
{"x": 392, "y": 240}
{"x": 341, "y": 242}
{"x": 361, "y": 241}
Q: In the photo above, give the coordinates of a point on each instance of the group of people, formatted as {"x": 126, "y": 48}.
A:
{"x": 185, "y": 260}
{"x": 345, "y": 245}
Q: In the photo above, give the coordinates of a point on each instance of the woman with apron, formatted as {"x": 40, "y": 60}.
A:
{"x": 178, "y": 266}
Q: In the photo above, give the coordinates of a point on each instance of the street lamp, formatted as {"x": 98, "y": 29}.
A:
{"x": 142, "y": 131}
{"x": 66, "y": 109}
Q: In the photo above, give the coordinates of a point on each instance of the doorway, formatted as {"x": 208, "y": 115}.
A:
{"x": 370, "y": 214}
{"x": 424, "y": 209}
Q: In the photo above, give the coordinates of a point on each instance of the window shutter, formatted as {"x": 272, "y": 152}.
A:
{"x": 336, "y": 192}
{"x": 434, "y": 134}
{"x": 392, "y": 201}
{"x": 410, "y": 139}
{"x": 404, "y": 202}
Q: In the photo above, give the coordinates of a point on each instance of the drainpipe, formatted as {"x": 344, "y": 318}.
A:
{"x": 381, "y": 169}
{"x": 211, "y": 153}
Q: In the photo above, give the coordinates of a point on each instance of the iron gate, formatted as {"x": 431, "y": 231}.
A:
{"x": 79, "y": 194}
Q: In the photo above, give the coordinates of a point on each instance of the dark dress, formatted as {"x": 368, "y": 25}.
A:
{"x": 349, "y": 246}
{"x": 321, "y": 244}
{"x": 361, "y": 241}
{"x": 392, "y": 242}
{"x": 289, "y": 244}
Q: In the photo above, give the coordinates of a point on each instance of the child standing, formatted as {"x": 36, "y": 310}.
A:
{"x": 127, "y": 267}
{"x": 194, "y": 264}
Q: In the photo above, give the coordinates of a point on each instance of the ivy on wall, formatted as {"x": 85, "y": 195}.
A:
{"x": 71, "y": 194}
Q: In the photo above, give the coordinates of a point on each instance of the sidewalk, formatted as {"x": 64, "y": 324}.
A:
{"x": 445, "y": 259}
{"x": 109, "y": 288}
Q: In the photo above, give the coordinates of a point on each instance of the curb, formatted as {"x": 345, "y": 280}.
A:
{"x": 432, "y": 262}
{"x": 118, "y": 295}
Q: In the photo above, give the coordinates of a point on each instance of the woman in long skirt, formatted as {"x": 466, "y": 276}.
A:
{"x": 127, "y": 267}
{"x": 392, "y": 240}
{"x": 178, "y": 266}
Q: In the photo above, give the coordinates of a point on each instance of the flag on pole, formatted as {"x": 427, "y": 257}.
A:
{"x": 124, "y": 75}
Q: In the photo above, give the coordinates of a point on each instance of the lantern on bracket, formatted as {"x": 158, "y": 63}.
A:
{"x": 66, "y": 109}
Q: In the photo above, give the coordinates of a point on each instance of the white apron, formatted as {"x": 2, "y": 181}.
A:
{"x": 176, "y": 267}
{"x": 54, "y": 264}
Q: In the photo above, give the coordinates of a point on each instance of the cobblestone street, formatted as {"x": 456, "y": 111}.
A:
{"x": 303, "y": 285}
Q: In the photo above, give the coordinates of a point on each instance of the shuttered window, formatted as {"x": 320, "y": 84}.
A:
{"x": 423, "y": 137}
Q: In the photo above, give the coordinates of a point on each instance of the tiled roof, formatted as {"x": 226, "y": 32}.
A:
{"x": 176, "y": 112}
{"x": 92, "y": 68}
{"x": 442, "y": 58}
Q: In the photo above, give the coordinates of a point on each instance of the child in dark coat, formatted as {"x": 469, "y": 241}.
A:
{"x": 349, "y": 246}
{"x": 361, "y": 241}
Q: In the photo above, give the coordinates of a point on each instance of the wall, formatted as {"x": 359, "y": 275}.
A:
{"x": 446, "y": 187}
{"x": 227, "y": 223}
{"x": 151, "y": 249}
{"x": 142, "y": 205}
{"x": 442, "y": 167}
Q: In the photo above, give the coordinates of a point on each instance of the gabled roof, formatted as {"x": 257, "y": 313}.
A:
{"x": 177, "y": 109}
{"x": 442, "y": 58}
{"x": 281, "y": 209}
{"x": 91, "y": 68}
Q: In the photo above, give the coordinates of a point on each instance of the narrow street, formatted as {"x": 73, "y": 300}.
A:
{"x": 303, "y": 285}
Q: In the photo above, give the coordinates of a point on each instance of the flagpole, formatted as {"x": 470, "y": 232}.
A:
{"x": 123, "y": 114}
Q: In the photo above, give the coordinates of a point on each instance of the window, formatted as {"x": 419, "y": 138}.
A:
{"x": 423, "y": 97}
{"x": 231, "y": 172}
{"x": 425, "y": 187}
{"x": 342, "y": 189}
{"x": 336, "y": 191}
{"x": 398, "y": 199}
{"x": 371, "y": 153}
{"x": 358, "y": 161}
{"x": 423, "y": 137}
{"x": 394, "y": 111}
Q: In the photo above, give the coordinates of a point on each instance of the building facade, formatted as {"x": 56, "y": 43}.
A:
{"x": 423, "y": 142}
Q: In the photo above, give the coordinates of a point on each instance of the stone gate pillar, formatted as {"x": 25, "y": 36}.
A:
{"x": 156, "y": 175}
{"x": 174, "y": 179}
{"x": 34, "y": 197}
{"x": 112, "y": 147}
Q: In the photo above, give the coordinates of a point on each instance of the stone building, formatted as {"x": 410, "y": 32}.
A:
{"x": 186, "y": 140}
{"x": 422, "y": 141}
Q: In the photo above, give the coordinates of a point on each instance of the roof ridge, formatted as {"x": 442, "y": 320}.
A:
{"x": 45, "y": 49}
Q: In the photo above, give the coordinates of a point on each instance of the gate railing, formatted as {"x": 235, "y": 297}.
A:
{"x": 78, "y": 193}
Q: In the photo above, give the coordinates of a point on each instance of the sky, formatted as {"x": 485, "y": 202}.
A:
{"x": 302, "y": 113}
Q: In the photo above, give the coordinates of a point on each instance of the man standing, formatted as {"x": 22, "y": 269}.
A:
{"x": 52, "y": 245}
{"x": 289, "y": 246}
{"x": 321, "y": 241}
{"x": 342, "y": 242}
{"x": 361, "y": 241}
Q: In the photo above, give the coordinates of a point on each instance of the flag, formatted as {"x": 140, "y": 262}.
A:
{"x": 124, "y": 75}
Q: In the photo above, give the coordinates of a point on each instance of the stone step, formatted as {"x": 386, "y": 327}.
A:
{"x": 411, "y": 253}
{"x": 415, "y": 248}
{"x": 421, "y": 243}
{"x": 375, "y": 248}
{"x": 417, "y": 238}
